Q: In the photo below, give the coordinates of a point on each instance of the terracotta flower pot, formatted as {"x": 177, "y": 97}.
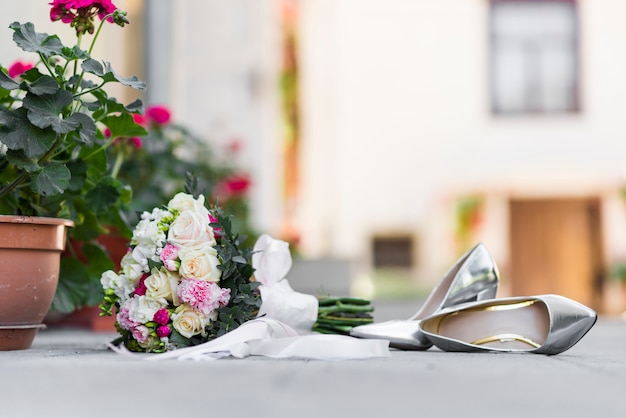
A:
{"x": 30, "y": 250}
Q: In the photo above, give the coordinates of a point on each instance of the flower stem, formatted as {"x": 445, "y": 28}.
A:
{"x": 119, "y": 159}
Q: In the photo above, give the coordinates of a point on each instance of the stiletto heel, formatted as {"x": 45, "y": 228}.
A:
{"x": 473, "y": 277}
{"x": 545, "y": 324}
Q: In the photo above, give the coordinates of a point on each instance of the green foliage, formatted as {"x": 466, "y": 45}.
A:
{"x": 245, "y": 298}
{"x": 53, "y": 159}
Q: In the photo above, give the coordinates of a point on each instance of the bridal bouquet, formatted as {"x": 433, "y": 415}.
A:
{"x": 183, "y": 281}
{"x": 186, "y": 287}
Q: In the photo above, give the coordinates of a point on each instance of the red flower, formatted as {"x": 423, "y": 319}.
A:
{"x": 19, "y": 67}
{"x": 158, "y": 114}
{"x": 233, "y": 186}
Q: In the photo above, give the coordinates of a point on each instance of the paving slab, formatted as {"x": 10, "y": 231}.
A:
{"x": 70, "y": 373}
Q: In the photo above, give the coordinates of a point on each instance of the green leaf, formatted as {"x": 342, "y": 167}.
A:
{"x": 87, "y": 130}
{"x": 20, "y": 134}
{"x": 102, "y": 197}
{"x": 44, "y": 111}
{"x": 73, "y": 286}
{"x": 43, "y": 85}
{"x": 177, "y": 339}
{"x": 7, "y": 82}
{"x": 135, "y": 107}
{"x": 78, "y": 170}
{"x": 108, "y": 74}
{"x": 54, "y": 178}
{"x": 98, "y": 261}
{"x": 30, "y": 41}
{"x": 21, "y": 161}
{"x": 124, "y": 126}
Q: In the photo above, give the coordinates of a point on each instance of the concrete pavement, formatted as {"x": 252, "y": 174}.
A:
{"x": 70, "y": 373}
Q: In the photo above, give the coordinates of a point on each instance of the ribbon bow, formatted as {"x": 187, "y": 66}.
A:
{"x": 272, "y": 261}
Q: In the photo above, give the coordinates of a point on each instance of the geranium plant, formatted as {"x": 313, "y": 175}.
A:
{"x": 53, "y": 159}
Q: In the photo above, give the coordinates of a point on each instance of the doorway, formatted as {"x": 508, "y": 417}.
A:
{"x": 556, "y": 247}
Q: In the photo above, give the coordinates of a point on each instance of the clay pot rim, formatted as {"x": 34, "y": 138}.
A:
{"x": 35, "y": 220}
{"x": 22, "y": 326}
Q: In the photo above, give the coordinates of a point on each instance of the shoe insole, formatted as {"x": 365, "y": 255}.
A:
{"x": 517, "y": 326}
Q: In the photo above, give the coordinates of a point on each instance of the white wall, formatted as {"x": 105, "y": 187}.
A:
{"x": 397, "y": 123}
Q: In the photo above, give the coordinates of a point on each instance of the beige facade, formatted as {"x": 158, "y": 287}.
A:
{"x": 397, "y": 129}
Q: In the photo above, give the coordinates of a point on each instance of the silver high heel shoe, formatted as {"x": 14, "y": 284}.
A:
{"x": 544, "y": 324}
{"x": 473, "y": 277}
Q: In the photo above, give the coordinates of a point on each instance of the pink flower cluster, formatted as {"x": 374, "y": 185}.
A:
{"x": 67, "y": 11}
{"x": 203, "y": 296}
{"x": 18, "y": 68}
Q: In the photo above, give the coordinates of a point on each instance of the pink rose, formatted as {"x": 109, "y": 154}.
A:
{"x": 158, "y": 114}
{"x": 163, "y": 331}
{"x": 162, "y": 316}
{"x": 18, "y": 68}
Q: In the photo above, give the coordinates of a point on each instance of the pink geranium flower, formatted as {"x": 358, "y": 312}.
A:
{"x": 18, "y": 68}
{"x": 158, "y": 114}
{"x": 81, "y": 12}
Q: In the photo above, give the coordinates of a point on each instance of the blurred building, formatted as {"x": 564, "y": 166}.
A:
{"x": 430, "y": 125}
{"x": 397, "y": 133}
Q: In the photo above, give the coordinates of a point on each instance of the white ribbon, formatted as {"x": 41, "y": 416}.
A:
{"x": 270, "y": 338}
{"x": 283, "y": 326}
{"x": 271, "y": 260}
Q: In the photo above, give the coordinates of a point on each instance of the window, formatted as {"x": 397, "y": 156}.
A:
{"x": 393, "y": 252}
{"x": 533, "y": 56}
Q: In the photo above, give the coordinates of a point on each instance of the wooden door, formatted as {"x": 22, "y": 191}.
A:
{"x": 556, "y": 248}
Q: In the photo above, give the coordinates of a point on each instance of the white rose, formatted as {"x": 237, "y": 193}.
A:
{"x": 191, "y": 229}
{"x": 189, "y": 322}
{"x": 184, "y": 201}
{"x": 162, "y": 283}
{"x": 142, "y": 308}
{"x": 199, "y": 263}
